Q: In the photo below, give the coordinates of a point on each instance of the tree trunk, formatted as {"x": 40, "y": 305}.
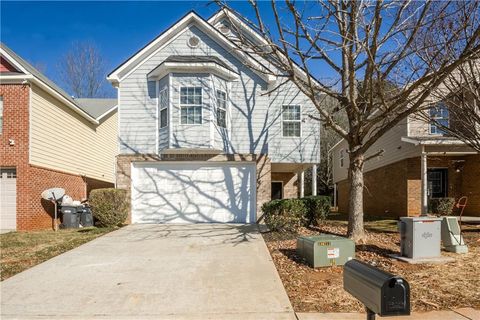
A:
{"x": 355, "y": 207}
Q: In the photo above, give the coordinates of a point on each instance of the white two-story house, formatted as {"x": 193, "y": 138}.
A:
{"x": 202, "y": 135}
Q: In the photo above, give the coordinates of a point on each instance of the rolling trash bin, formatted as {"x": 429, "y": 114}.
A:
{"x": 70, "y": 218}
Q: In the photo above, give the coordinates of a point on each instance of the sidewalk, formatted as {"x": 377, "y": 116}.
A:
{"x": 456, "y": 314}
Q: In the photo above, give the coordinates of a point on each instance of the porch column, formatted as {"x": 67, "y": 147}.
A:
{"x": 300, "y": 184}
{"x": 334, "y": 195}
{"x": 423, "y": 170}
{"x": 314, "y": 180}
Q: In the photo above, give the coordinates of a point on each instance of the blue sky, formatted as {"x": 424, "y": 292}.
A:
{"x": 41, "y": 32}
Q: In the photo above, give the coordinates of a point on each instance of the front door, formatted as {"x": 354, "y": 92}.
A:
{"x": 437, "y": 183}
{"x": 277, "y": 190}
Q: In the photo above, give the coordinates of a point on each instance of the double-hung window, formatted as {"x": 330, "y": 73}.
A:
{"x": 163, "y": 96}
{"x": 221, "y": 108}
{"x": 439, "y": 118}
{"x": 191, "y": 105}
{"x": 342, "y": 158}
{"x": 291, "y": 121}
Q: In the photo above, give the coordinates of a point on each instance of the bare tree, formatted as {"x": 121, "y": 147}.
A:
{"x": 82, "y": 70}
{"x": 375, "y": 51}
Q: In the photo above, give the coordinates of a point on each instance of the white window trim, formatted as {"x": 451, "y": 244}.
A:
{"x": 341, "y": 158}
{"x": 180, "y": 105}
{"x": 300, "y": 121}
{"x": 430, "y": 124}
{"x": 160, "y": 109}
{"x": 224, "y": 109}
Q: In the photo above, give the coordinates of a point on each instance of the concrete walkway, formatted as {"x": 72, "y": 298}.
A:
{"x": 457, "y": 314}
{"x": 201, "y": 271}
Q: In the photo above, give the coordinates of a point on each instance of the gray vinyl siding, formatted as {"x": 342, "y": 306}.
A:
{"x": 138, "y": 116}
{"x": 254, "y": 122}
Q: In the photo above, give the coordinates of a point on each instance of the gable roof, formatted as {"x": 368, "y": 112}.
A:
{"x": 28, "y": 72}
{"x": 234, "y": 17}
{"x": 169, "y": 34}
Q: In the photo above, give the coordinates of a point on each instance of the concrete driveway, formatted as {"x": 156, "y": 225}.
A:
{"x": 198, "y": 271}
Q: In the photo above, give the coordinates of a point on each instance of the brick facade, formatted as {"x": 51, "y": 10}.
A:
{"x": 290, "y": 183}
{"x": 395, "y": 189}
{"x": 33, "y": 213}
{"x": 263, "y": 170}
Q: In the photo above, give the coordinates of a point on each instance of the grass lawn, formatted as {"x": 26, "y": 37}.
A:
{"x": 22, "y": 250}
{"x": 433, "y": 287}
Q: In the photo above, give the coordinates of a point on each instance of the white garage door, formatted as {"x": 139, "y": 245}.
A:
{"x": 8, "y": 199}
{"x": 190, "y": 192}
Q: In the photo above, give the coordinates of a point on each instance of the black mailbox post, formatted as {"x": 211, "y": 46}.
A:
{"x": 381, "y": 292}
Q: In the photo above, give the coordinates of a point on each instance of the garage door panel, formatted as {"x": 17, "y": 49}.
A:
{"x": 8, "y": 199}
{"x": 193, "y": 192}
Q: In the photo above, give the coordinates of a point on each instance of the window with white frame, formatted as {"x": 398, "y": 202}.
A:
{"x": 221, "y": 108}
{"x": 341, "y": 158}
{"x": 163, "y": 105}
{"x": 191, "y": 105}
{"x": 1, "y": 114}
{"x": 440, "y": 118}
{"x": 291, "y": 121}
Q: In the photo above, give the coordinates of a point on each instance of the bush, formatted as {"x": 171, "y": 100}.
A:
{"x": 318, "y": 208}
{"x": 442, "y": 206}
{"x": 285, "y": 214}
{"x": 109, "y": 206}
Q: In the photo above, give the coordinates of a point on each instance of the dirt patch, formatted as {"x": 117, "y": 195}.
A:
{"x": 433, "y": 287}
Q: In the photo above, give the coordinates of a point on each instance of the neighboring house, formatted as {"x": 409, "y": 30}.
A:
{"x": 203, "y": 136}
{"x": 48, "y": 139}
{"x": 419, "y": 162}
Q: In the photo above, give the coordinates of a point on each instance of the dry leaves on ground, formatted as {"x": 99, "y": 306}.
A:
{"x": 433, "y": 287}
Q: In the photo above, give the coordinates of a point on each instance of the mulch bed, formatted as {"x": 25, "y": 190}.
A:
{"x": 433, "y": 287}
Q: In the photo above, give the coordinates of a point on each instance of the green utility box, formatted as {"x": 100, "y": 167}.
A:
{"x": 325, "y": 250}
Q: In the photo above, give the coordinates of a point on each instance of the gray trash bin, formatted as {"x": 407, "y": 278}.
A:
{"x": 86, "y": 218}
{"x": 70, "y": 218}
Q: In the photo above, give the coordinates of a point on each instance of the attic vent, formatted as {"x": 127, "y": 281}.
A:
{"x": 193, "y": 41}
{"x": 224, "y": 29}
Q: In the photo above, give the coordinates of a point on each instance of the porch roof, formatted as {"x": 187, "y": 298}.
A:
{"x": 433, "y": 140}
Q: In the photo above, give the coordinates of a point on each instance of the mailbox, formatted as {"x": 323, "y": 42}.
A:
{"x": 381, "y": 292}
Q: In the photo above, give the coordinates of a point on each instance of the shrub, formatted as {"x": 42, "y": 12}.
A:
{"x": 285, "y": 214}
{"x": 318, "y": 208}
{"x": 109, "y": 206}
{"x": 442, "y": 206}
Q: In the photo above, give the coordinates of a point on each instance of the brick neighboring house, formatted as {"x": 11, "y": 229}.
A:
{"x": 201, "y": 137}
{"x": 48, "y": 139}
{"x": 420, "y": 162}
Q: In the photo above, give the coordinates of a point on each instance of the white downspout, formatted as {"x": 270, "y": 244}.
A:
{"x": 301, "y": 178}
{"x": 314, "y": 180}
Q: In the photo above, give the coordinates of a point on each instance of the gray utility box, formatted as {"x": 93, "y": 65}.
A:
{"x": 325, "y": 250}
{"x": 420, "y": 237}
